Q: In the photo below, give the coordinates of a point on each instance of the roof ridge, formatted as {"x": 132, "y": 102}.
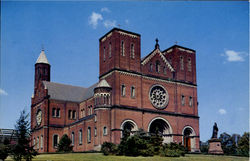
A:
{"x": 65, "y": 84}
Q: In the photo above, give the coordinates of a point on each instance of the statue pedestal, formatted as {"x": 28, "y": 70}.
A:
{"x": 215, "y": 146}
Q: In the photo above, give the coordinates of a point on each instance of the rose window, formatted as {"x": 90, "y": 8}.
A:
{"x": 158, "y": 96}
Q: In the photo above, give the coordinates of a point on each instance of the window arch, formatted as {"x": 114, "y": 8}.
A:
{"x": 132, "y": 50}
{"x": 105, "y": 131}
{"x": 110, "y": 47}
{"x": 122, "y": 48}
{"x": 89, "y": 134}
{"x": 181, "y": 63}
{"x": 73, "y": 138}
{"x": 55, "y": 140}
{"x": 157, "y": 66}
{"x": 189, "y": 65}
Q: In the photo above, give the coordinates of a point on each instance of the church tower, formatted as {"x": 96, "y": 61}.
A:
{"x": 42, "y": 70}
{"x": 119, "y": 49}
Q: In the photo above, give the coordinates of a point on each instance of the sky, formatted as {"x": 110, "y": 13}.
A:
{"x": 69, "y": 32}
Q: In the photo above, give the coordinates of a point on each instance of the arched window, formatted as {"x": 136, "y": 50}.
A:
{"x": 104, "y": 54}
{"x": 189, "y": 65}
{"x": 58, "y": 112}
{"x": 190, "y": 101}
{"x": 70, "y": 114}
{"x": 164, "y": 70}
{"x": 182, "y": 100}
{"x": 132, "y": 92}
{"x": 181, "y": 63}
{"x": 73, "y": 138}
{"x": 54, "y": 112}
{"x": 123, "y": 90}
{"x": 150, "y": 67}
{"x": 41, "y": 145}
{"x": 122, "y": 48}
{"x": 132, "y": 51}
{"x": 95, "y": 131}
{"x": 80, "y": 137}
{"x": 105, "y": 132}
{"x": 89, "y": 135}
{"x": 55, "y": 140}
{"x": 110, "y": 49}
{"x": 157, "y": 66}
{"x": 74, "y": 114}
{"x": 37, "y": 145}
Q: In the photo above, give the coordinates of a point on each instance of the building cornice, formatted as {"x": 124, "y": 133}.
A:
{"x": 150, "y": 77}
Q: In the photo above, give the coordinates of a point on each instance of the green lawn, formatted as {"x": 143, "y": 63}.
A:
{"x": 99, "y": 156}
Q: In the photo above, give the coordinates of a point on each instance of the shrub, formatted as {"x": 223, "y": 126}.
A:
{"x": 109, "y": 148}
{"x": 65, "y": 144}
{"x": 172, "y": 150}
{"x": 243, "y": 146}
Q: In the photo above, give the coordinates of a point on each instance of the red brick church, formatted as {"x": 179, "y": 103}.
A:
{"x": 158, "y": 91}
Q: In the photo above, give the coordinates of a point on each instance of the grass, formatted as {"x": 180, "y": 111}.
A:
{"x": 101, "y": 157}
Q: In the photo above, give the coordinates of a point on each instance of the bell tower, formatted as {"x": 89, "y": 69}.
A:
{"x": 42, "y": 69}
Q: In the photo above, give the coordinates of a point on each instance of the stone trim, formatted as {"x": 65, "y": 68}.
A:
{"x": 153, "y": 111}
{"x": 130, "y": 73}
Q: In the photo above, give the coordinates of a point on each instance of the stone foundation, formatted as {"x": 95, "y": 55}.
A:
{"x": 215, "y": 147}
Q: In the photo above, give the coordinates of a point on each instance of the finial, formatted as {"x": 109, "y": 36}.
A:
{"x": 157, "y": 46}
{"x": 42, "y": 47}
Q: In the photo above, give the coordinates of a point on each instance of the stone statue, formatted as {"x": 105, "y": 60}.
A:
{"x": 215, "y": 131}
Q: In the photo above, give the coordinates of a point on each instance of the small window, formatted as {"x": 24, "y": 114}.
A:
{"x": 55, "y": 141}
{"x": 54, "y": 112}
{"x": 122, "y": 49}
{"x": 95, "y": 118}
{"x": 34, "y": 141}
{"x": 37, "y": 145}
{"x": 157, "y": 66}
{"x": 95, "y": 131}
{"x": 190, "y": 101}
{"x": 110, "y": 49}
{"x": 41, "y": 145}
{"x": 189, "y": 66}
{"x": 164, "y": 70}
{"x": 132, "y": 50}
{"x": 89, "y": 135}
{"x": 123, "y": 90}
{"x": 182, "y": 100}
{"x": 104, "y": 54}
{"x": 58, "y": 112}
{"x": 73, "y": 138}
{"x": 181, "y": 63}
{"x": 74, "y": 114}
{"x": 70, "y": 114}
{"x": 91, "y": 110}
{"x": 80, "y": 137}
{"x": 151, "y": 67}
{"x": 132, "y": 92}
{"x": 105, "y": 132}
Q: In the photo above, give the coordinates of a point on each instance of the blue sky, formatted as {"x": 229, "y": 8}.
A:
{"x": 70, "y": 32}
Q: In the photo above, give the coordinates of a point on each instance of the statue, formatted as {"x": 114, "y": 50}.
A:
{"x": 215, "y": 131}
{"x": 214, "y": 142}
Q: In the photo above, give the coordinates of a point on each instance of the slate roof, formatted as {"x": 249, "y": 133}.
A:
{"x": 42, "y": 58}
{"x": 70, "y": 93}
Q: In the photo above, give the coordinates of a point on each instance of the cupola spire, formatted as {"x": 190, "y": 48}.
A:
{"x": 157, "y": 46}
{"x": 42, "y": 58}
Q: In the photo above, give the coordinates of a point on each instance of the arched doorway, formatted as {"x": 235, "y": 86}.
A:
{"x": 128, "y": 127}
{"x": 163, "y": 128}
{"x": 188, "y": 139}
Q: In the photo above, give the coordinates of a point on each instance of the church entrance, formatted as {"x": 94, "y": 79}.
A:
{"x": 128, "y": 127}
{"x": 188, "y": 140}
{"x": 161, "y": 126}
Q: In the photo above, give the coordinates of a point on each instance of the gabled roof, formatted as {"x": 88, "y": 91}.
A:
{"x": 103, "y": 83}
{"x": 152, "y": 54}
{"x": 70, "y": 93}
{"x": 42, "y": 58}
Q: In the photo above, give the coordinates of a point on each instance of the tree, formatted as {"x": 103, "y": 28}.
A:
{"x": 4, "y": 149}
{"x": 23, "y": 148}
{"x": 228, "y": 144}
{"x": 243, "y": 145}
{"x": 64, "y": 144}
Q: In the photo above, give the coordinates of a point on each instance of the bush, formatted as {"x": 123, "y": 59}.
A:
{"x": 108, "y": 148}
{"x": 243, "y": 146}
{"x": 65, "y": 144}
{"x": 172, "y": 150}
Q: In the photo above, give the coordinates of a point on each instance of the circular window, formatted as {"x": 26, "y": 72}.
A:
{"x": 158, "y": 96}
